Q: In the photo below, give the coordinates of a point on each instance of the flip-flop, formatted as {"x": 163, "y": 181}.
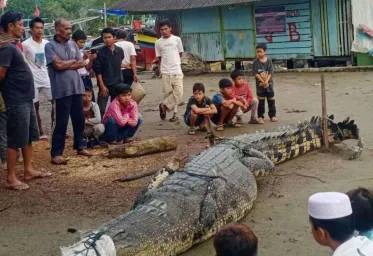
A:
{"x": 192, "y": 131}
{"x": 58, "y": 160}
{"x": 44, "y": 138}
{"x": 19, "y": 187}
{"x": 162, "y": 114}
{"x": 273, "y": 119}
{"x": 220, "y": 128}
{"x": 174, "y": 119}
{"x": 42, "y": 175}
{"x": 84, "y": 152}
{"x": 234, "y": 125}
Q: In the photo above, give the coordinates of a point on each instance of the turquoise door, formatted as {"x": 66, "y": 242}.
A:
{"x": 238, "y": 30}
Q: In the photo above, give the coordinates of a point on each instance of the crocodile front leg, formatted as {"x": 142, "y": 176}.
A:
{"x": 257, "y": 162}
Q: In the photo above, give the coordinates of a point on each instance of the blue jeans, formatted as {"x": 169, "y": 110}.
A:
{"x": 116, "y": 133}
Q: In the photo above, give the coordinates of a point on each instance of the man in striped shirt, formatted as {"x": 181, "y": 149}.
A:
{"x": 122, "y": 119}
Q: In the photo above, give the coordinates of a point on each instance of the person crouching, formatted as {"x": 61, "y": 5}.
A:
{"x": 198, "y": 110}
{"x": 93, "y": 126}
{"x": 122, "y": 119}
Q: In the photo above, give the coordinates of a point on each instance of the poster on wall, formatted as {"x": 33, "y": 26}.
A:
{"x": 270, "y": 20}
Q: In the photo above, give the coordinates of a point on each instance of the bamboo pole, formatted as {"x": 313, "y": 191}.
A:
{"x": 324, "y": 112}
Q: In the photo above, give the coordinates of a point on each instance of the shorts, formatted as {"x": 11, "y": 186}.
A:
{"x": 199, "y": 120}
{"x": 216, "y": 117}
{"x": 22, "y": 128}
{"x": 46, "y": 92}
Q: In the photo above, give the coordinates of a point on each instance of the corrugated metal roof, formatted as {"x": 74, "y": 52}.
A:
{"x": 168, "y": 5}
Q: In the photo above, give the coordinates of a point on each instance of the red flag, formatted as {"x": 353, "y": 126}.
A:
{"x": 36, "y": 12}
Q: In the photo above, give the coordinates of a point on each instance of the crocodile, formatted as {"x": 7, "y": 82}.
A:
{"x": 189, "y": 205}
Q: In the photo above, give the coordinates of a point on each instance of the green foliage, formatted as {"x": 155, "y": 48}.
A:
{"x": 70, "y": 9}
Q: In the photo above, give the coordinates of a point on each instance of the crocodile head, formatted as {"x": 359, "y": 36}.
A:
{"x": 343, "y": 130}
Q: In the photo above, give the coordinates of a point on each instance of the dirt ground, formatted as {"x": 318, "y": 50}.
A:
{"x": 82, "y": 195}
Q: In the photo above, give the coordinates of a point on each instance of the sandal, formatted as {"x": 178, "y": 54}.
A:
{"x": 162, "y": 114}
{"x": 19, "y": 187}
{"x": 174, "y": 119}
{"x": 234, "y": 125}
{"x": 192, "y": 131}
{"x": 256, "y": 121}
{"x": 59, "y": 160}
{"x": 239, "y": 120}
{"x": 44, "y": 138}
{"x": 202, "y": 129}
{"x": 41, "y": 175}
{"x": 220, "y": 128}
{"x": 273, "y": 119}
{"x": 84, "y": 152}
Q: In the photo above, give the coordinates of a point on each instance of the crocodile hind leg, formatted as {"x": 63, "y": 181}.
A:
{"x": 257, "y": 162}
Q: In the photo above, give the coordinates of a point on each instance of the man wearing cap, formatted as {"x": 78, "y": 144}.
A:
{"x": 330, "y": 215}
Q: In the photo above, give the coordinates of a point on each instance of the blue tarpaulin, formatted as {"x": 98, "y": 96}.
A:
{"x": 113, "y": 12}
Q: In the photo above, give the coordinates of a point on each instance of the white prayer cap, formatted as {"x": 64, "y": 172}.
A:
{"x": 329, "y": 205}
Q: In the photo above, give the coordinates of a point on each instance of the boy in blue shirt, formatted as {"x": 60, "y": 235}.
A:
{"x": 198, "y": 110}
{"x": 227, "y": 106}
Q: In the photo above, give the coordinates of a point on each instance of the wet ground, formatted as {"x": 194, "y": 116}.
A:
{"x": 82, "y": 195}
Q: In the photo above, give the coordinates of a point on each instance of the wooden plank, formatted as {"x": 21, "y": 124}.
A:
{"x": 332, "y": 27}
{"x": 200, "y": 20}
{"x": 316, "y": 27}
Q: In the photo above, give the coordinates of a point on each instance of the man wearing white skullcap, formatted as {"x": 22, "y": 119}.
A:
{"x": 332, "y": 225}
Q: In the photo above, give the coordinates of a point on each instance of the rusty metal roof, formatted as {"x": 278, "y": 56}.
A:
{"x": 169, "y": 5}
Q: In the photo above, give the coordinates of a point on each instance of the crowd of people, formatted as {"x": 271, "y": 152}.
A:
{"x": 60, "y": 71}
{"x": 342, "y": 222}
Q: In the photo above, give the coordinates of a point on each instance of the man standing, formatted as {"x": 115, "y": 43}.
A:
{"x": 129, "y": 69}
{"x": 34, "y": 51}
{"x": 169, "y": 50}
{"x": 63, "y": 61}
{"x": 107, "y": 67}
{"x": 18, "y": 92}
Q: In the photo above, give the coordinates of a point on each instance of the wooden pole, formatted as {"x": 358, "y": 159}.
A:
{"x": 324, "y": 112}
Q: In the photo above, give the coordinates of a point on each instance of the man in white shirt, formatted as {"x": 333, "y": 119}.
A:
{"x": 333, "y": 226}
{"x": 169, "y": 50}
{"x": 33, "y": 49}
{"x": 129, "y": 69}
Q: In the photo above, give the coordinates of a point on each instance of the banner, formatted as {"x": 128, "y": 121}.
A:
{"x": 270, "y": 20}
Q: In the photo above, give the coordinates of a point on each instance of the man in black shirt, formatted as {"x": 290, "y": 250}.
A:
{"x": 18, "y": 92}
{"x": 107, "y": 67}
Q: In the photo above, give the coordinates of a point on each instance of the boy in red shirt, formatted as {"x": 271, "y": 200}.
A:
{"x": 242, "y": 91}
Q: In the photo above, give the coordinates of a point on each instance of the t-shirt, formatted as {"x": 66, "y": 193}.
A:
{"x": 93, "y": 114}
{"x": 218, "y": 99}
{"x": 169, "y": 50}
{"x": 18, "y": 85}
{"x": 356, "y": 246}
{"x": 206, "y": 102}
{"x": 243, "y": 92}
{"x": 83, "y": 71}
{"x": 35, "y": 56}
{"x": 108, "y": 64}
{"x": 128, "y": 49}
{"x": 64, "y": 83}
{"x": 264, "y": 69}
{"x": 123, "y": 115}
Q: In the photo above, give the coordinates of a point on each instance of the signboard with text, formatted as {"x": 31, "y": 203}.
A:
{"x": 270, "y": 20}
